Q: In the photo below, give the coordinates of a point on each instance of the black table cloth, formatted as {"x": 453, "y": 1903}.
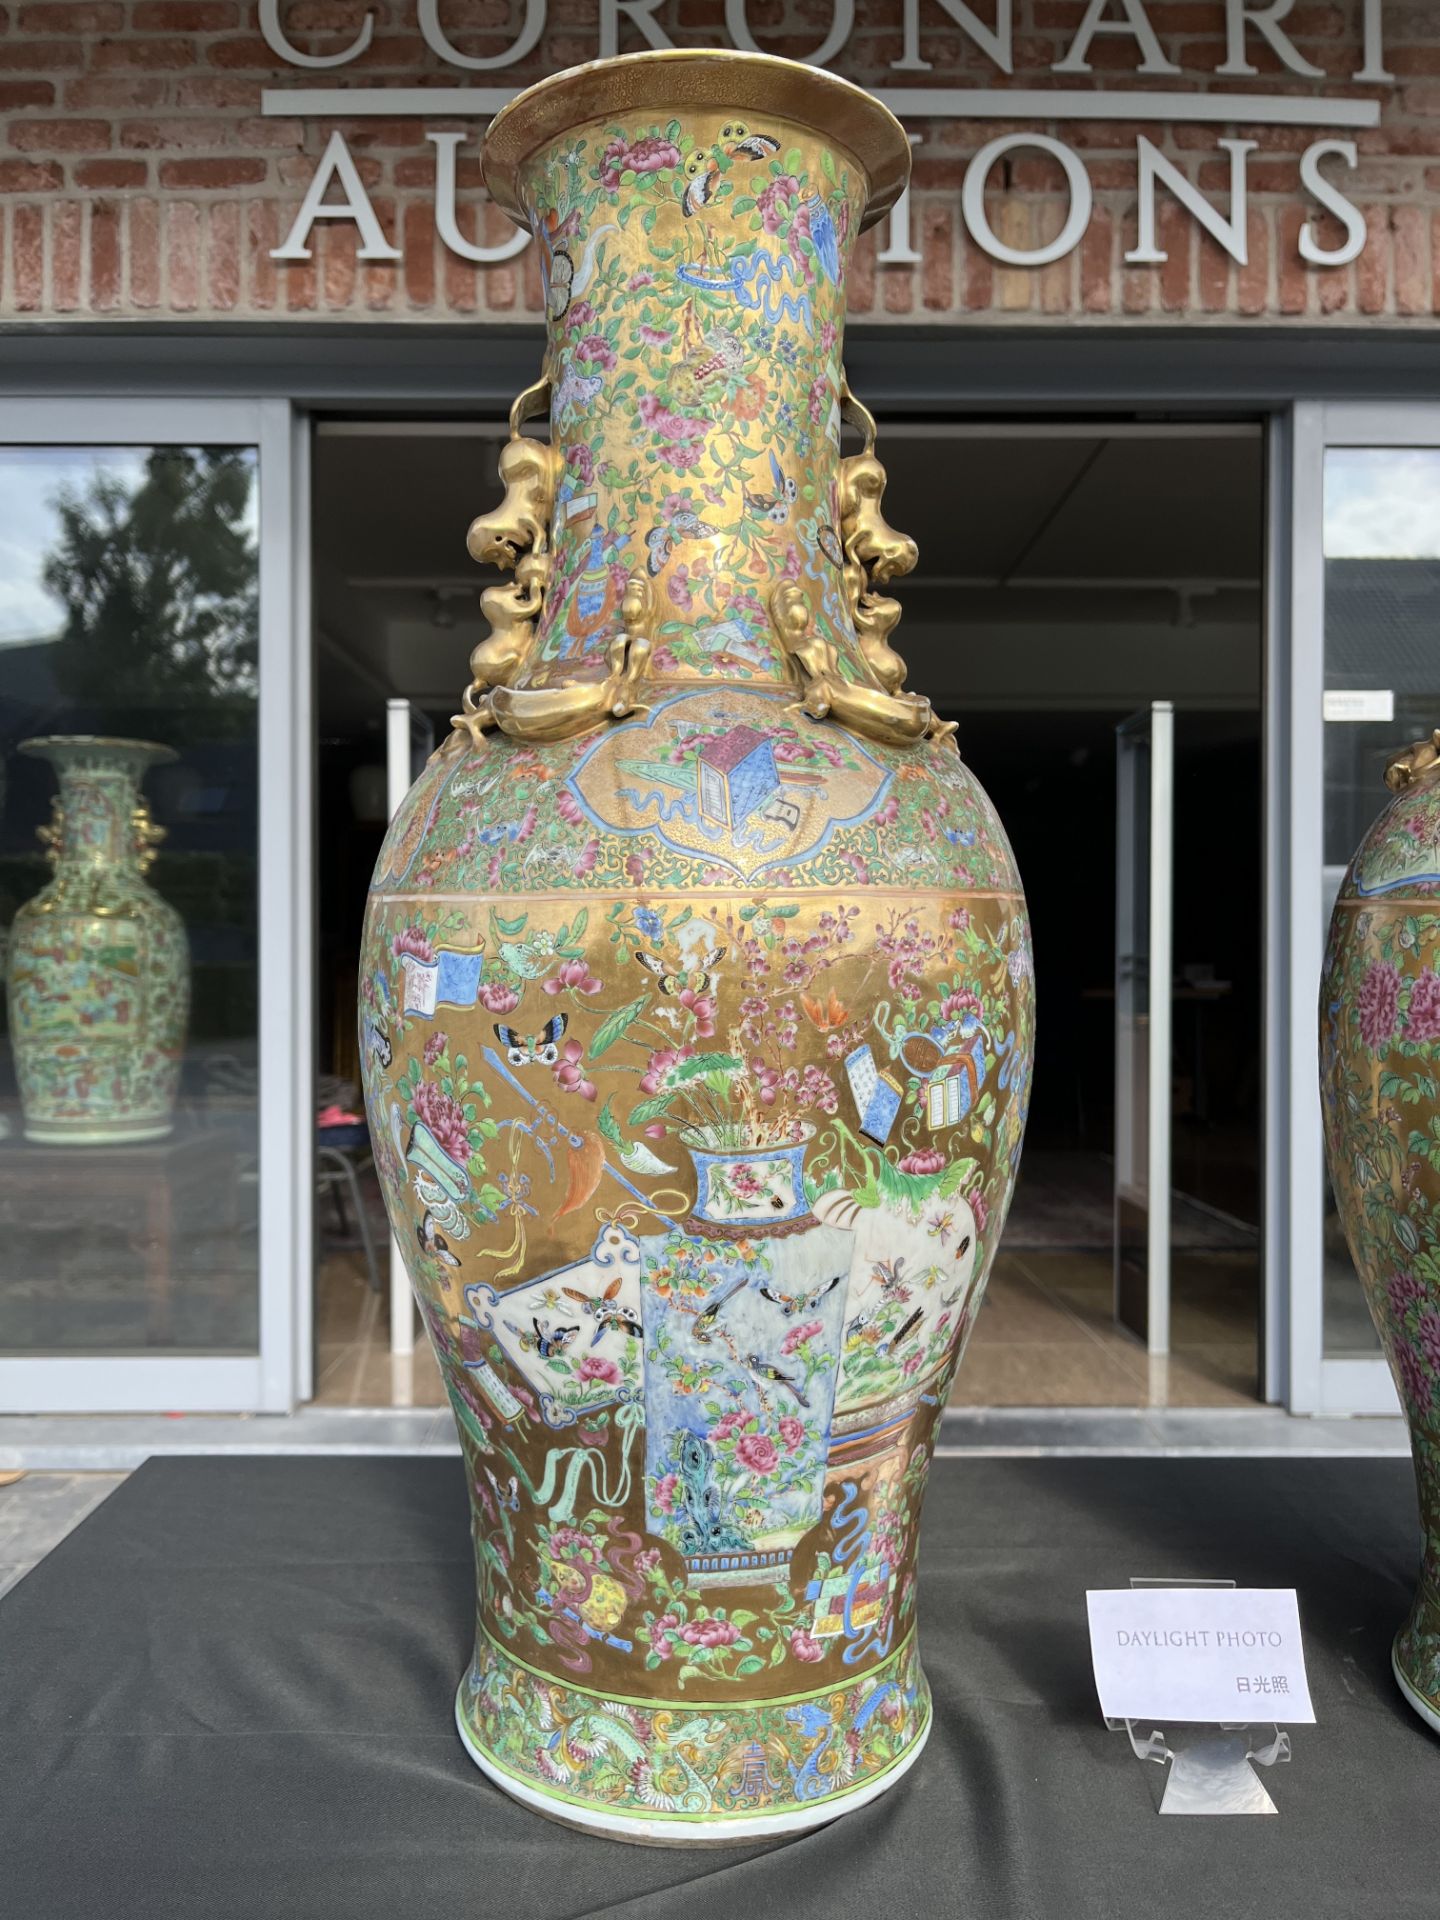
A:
{"x": 229, "y": 1693}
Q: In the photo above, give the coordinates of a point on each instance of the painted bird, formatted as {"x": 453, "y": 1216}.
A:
{"x": 763, "y": 1370}
{"x": 738, "y": 141}
{"x": 702, "y": 177}
{"x": 705, "y": 1322}
{"x": 888, "y": 1346}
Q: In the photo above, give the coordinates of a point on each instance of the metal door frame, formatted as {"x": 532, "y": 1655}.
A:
{"x": 275, "y": 1377}
{"x": 1313, "y": 1381}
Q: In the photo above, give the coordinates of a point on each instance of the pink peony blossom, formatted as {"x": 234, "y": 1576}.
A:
{"x": 758, "y": 1452}
{"x": 1422, "y": 1016}
{"x": 574, "y": 977}
{"x": 792, "y": 1432}
{"x": 412, "y": 940}
{"x": 1414, "y": 1381}
{"x": 1378, "y": 1004}
{"x": 924, "y": 1160}
{"x": 729, "y": 1423}
{"x": 496, "y": 997}
{"x": 596, "y": 1367}
{"x": 580, "y": 458}
{"x": 664, "y": 1495}
{"x": 446, "y": 1120}
{"x": 709, "y": 1633}
{"x": 660, "y": 1631}
{"x": 569, "y": 1073}
{"x": 774, "y": 199}
{"x": 805, "y": 1646}
{"x": 569, "y": 808}
{"x": 597, "y": 350}
{"x": 1404, "y": 1291}
{"x": 654, "y": 336}
{"x": 650, "y": 155}
{"x": 435, "y": 1045}
{"x": 647, "y": 1561}
{"x": 797, "y": 1336}
{"x": 671, "y": 425}
{"x": 589, "y": 858}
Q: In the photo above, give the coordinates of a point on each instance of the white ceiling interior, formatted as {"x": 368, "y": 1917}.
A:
{"x": 1061, "y": 566}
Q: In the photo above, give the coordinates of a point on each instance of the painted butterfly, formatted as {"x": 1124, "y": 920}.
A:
{"x": 700, "y": 981}
{"x": 544, "y": 1341}
{"x": 534, "y": 1049}
{"x": 801, "y": 1303}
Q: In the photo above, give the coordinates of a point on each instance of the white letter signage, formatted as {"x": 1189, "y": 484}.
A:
{"x": 1239, "y": 15}
{"x": 972, "y": 200}
{"x": 336, "y": 164}
{"x": 1135, "y": 25}
{"x": 273, "y": 35}
{"x": 438, "y": 41}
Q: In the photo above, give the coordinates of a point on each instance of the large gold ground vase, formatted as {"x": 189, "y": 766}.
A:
{"x": 1380, "y": 1089}
{"x": 696, "y": 994}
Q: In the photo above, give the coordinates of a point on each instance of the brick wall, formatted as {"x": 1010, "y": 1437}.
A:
{"x": 139, "y": 179}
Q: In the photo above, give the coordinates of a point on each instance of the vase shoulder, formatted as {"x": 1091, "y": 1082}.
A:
{"x": 724, "y": 788}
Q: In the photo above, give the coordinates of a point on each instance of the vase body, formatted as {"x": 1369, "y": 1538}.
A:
{"x": 98, "y": 971}
{"x": 697, "y": 1040}
{"x": 1380, "y": 1090}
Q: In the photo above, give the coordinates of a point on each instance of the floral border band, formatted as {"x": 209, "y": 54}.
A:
{"x": 658, "y": 1761}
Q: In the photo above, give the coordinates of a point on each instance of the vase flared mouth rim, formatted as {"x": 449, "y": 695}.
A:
{"x": 712, "y": 78}
{"x": 46, "y": 746}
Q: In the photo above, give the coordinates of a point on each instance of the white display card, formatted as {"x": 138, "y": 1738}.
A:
{"x": 1360, "y": 703}
{"x": 1228, "y": 1655}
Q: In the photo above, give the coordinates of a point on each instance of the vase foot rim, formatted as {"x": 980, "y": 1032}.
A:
{"x": 62, "y": 1136}
{"x": 1412, "y": 1694}
{"x": 739, "y": 1830}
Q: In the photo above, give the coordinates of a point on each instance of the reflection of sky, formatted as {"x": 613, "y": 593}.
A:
{"x": 1382, "y": 503}
{"x": 31, "y": 478}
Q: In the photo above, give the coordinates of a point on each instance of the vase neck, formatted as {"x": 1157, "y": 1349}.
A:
{"x": 694, "y": 271}
{"x": 101, "y": 824}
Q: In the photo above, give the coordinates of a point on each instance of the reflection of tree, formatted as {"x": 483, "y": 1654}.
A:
{"x": 160, "y": 584}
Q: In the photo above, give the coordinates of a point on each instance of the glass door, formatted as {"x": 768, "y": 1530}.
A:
{"x": 152, "y": 1185}
{"x": 1365, "y": 680}
{"x": 1145, "y": 751}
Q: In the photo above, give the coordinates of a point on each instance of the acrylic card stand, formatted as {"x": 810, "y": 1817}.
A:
{"x": 1211, "y": 1768}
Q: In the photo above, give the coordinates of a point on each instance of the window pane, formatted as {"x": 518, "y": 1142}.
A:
{"x": 1382, "y": 635}
{"x": 129, "y": 1201}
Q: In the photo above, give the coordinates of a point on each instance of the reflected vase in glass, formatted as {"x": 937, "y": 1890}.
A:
{"x": 1380, "y": 1090}
{"x": 98, "y": 971}
{"x": 696, "y": 992}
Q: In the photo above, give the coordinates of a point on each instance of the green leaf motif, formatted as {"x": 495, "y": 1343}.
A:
{"x": 609, "y": 1126}
{"x": 616, "y": 1025}
{"x": 702, "y": 1064}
